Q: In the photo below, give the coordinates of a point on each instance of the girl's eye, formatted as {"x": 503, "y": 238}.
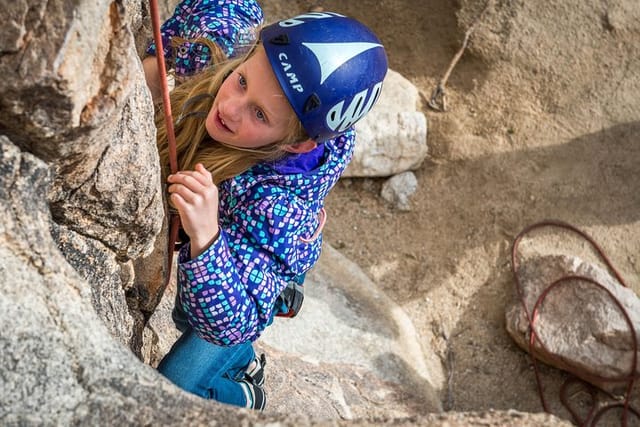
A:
{"x": 242, "y": 81}
{"x": 260, "y": 115}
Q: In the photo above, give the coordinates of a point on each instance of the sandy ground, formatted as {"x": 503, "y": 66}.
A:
{"x": 542, "y": 122}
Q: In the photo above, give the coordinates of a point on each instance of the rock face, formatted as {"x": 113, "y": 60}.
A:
{"x": 74, "y": 96}
{"x": 59, "y": 363}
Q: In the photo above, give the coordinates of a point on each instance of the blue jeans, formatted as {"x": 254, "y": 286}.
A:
{"x": 205, "y": 369}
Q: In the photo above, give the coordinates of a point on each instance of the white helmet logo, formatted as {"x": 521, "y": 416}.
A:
{"x": 332, "y": 56}
{"x": 340, "y": 119}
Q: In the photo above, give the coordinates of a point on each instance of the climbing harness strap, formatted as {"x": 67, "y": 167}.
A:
{"x": 290, "y": 300}
{"x": 174, "y": 218}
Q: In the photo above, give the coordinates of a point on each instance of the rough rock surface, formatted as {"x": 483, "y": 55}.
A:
{"x": 73, "y": 95}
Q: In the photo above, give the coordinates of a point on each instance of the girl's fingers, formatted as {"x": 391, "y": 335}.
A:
{"x": 178, "y": 202}
{"x": 192, "y": 191}
{"x": 190, "y": 180}
{"x": 204, "y": 171}
{"x": 183, "y": 192}
{"x": 200, "y": 174}
{"x": 195, "y": 196}
{"x": 195, "y": 186}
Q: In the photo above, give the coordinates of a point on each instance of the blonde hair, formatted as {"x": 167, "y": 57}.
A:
{"x": 191, "y": 102}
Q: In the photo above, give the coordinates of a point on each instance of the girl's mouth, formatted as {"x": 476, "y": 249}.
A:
{"x": 221, "y": 123}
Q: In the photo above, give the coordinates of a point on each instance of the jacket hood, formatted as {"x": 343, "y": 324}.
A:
{"x": 312, "y": 186}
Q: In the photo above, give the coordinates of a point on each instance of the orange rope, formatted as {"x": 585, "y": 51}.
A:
{"x": 594, "y": 414}
{"x": 168, "y": 120}
{"x": 166, "y": 103}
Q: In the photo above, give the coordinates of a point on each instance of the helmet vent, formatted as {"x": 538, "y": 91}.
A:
{"x": 312, "y": 103}
{"x": 280, "y": 39}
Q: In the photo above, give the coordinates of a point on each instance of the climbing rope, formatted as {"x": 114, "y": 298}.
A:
{"x": 174, "y": 218}
{"x": 593, "y": 416}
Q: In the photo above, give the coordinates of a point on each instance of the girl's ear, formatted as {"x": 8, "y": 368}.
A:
{"x": 301, "y": 147}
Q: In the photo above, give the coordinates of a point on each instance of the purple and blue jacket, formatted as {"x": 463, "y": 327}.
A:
{"x": 270, "y": 222}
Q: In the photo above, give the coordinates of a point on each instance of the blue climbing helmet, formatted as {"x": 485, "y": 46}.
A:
{"x": 330, "y": 68}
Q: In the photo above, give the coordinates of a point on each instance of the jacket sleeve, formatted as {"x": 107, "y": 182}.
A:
{"x": 228, "y": 23}
{"x": 229, "y": 291}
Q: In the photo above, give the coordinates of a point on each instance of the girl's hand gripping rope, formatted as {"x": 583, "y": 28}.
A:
{"x": 195, "y": 196}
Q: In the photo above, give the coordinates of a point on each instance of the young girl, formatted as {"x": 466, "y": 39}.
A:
{"x": 261, "y": 140}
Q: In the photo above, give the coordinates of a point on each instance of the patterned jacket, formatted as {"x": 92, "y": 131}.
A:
{"x": 270, "y": 226}
{"x": 232, "y": 24}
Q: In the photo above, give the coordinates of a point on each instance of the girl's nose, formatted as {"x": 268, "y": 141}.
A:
{"x": 233, "y": 109}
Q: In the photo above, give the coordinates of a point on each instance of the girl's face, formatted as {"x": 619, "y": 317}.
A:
{"x": 250, "y": 109}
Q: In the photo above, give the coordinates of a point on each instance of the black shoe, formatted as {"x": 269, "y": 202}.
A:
{"x": 256, "y": 397}
{"x": 256, "y": 374}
